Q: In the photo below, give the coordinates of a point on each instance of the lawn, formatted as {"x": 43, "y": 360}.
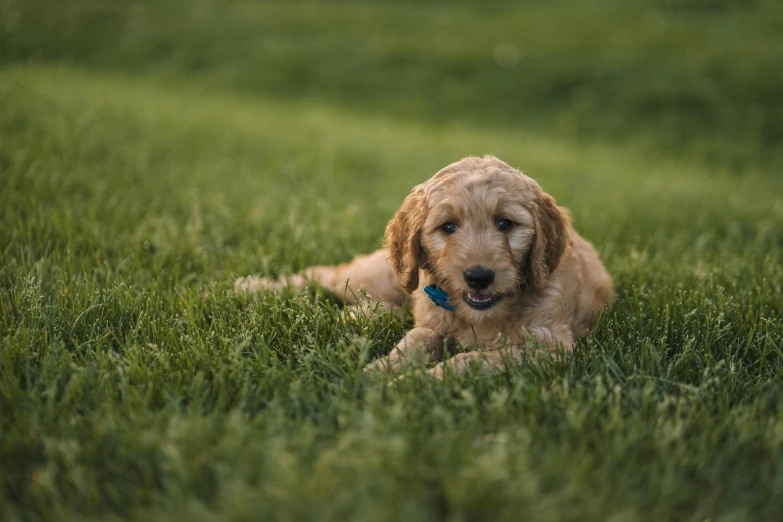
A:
{"x": 152, "y": 152}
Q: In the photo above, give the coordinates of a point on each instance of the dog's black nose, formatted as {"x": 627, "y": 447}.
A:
{"x": 479, "y": 278}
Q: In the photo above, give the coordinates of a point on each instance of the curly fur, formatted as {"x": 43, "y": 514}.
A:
{"x": 549, "y": 284}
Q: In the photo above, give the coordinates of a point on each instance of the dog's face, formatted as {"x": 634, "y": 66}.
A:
{"x": 482, "y": 231}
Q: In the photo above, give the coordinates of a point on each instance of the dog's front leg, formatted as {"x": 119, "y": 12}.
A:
{"x": 419, "y": 345}
{"x": 491, "y": 362}
{"x": 551, "y": 337}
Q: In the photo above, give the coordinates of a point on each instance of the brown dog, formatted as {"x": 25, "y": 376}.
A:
{"x": 499, "y": 258}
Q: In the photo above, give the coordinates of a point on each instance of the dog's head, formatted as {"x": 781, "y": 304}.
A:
{"x": 483, "y": 232}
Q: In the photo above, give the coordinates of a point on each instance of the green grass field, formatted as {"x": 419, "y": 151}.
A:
{"x": 152, "y": 152}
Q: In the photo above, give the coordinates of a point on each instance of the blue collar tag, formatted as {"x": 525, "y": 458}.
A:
{"x": 438, "y": 297}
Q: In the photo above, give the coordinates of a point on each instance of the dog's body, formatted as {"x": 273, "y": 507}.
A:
{"x": 498, "y": 246}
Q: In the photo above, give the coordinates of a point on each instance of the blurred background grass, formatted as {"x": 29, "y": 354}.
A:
{"x": 700, "y": 77}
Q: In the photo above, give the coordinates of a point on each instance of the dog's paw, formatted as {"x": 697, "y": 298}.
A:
{"x": 392, "y": 384}
{"x": 378, "y": 366}
{"x": 255, "y": 284}
{"x": 437, "y": 371}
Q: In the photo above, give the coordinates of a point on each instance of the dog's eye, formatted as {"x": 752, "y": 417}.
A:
{"x": 448, "y": 228}
{"x": 503, "y": 224}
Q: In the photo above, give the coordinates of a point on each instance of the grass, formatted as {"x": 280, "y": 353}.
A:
{"x": 136, "y": 183}
{"x": 699, "y": 76}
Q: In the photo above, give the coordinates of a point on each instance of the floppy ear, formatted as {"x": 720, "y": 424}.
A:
{"x": 403, "y": 239}
{"x": 553, "y": 237}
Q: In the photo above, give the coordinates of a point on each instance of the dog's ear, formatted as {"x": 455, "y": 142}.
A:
{"x": 552, "y": 238}
{"x": 403, "y": 239}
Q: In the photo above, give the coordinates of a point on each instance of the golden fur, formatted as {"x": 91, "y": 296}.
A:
{"x": 549, "y": 283}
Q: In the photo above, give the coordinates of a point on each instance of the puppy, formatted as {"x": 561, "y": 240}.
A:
{"x": 491, "y": 263}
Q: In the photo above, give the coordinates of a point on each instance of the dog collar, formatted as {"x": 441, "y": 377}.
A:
{"x": 438, "y": 297}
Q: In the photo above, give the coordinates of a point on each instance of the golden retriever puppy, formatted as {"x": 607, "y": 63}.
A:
{"x": 490, "y": 261}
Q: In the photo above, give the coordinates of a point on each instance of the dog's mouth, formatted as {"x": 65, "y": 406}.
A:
{"x": 479, "y": 301}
